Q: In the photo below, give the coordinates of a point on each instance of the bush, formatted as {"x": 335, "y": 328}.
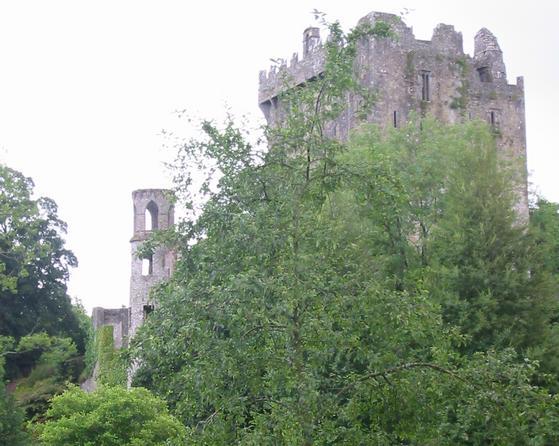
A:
{"x": 110, "y": 416}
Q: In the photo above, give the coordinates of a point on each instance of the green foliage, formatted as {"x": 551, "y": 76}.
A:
{"x": 544, "y": 221}
{"x": 51, "y": 362}
{"x": 110, "y": 416}
{"x": 482, "y": 257}
{"x": 314, "y": 305}
{"x": 460, "y": 102}
{"x": 37, "y": 313}
{"x": 382, "y": 29}
{"x": 311, "y": 307}
{"x": 34, "y": 266}
{"x": 11, "y": 417}
{"x": 86, "y": 326}
{"x": 359, "y": 293}
{"x": 110, "y": 363}
{"x": 441, "y": 201}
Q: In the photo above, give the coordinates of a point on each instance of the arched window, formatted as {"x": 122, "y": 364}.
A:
{"x": 151, "y": 216}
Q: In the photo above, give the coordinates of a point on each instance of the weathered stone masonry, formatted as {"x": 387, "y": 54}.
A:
{"x": 408, "y": 76}
{"x": 153, "y": 210}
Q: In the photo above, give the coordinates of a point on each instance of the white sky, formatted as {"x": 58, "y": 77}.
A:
{"x": 87, "y": 86}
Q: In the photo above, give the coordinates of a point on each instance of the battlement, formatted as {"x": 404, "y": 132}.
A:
{"x": 298, "y": 71}
{"x": 409, "y": 76}
{"x": 445, "y": 41}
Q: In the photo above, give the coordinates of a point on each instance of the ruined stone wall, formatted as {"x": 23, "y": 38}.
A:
{"x": 400, "y": 69}
{"x": 120, "y": 320}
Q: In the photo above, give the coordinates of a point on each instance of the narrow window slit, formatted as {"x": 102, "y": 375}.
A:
{"x": 425, "y": 87}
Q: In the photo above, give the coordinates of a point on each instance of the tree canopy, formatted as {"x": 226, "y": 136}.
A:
{"x": 34, "y": 264}
{"x": 376, "y": 291}
{"x": 43, "y": 334}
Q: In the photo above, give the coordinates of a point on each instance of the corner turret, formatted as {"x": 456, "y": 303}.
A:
{"x": 488, "y": 57}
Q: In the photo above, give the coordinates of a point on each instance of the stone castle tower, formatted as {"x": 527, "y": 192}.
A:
{"x": 423, "y": 77}
{"x": 153, "y": 210}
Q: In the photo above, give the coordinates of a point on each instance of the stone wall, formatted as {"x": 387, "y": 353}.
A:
{"x": 120, "y": 320}
{"x": 410, "y": 76}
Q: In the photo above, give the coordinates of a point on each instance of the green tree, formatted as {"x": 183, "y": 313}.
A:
{"x": 440, "y": 201}
{"x": 544, "y": 220}
{"x": 33, "y": 260}
{"x": 544, "y": 226}
{"x": 110, "y": 416}
{"x": 49, "y": 363}
{"x": 303, "y": 308}
{"x": 34, "y": 265}
{"x": 304, "y": 311}
{"x": 487, "y": 261}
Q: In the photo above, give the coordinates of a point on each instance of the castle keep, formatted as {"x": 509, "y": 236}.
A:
{"x": 408, "y": 76}
{"x": 153, "y": 210}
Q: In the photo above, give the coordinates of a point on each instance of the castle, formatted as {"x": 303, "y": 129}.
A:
{"x": 410, "y": 76}
{"x": 407, "y": 76}
{"x": 153, "y": 210}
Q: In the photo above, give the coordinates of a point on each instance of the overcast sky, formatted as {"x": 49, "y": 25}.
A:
{"x": 87, "y": 86}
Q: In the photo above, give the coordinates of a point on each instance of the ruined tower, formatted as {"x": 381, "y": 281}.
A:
{"x": 153, "y": 210}
{"x": 422, "y": 77}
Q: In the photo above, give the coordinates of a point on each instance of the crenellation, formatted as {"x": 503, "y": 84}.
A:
{"x": 294, "y": 60}
{"x": 297, "y": 72}
{"x": 412, "y": 76}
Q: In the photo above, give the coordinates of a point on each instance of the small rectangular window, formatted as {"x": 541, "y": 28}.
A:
{"x": 395, "y": 118}
{"x": 147, "y": 310}
{"x": 493, "y": 119}
{"x": 425, "y": 87}
{"x": 147, "y": 266}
